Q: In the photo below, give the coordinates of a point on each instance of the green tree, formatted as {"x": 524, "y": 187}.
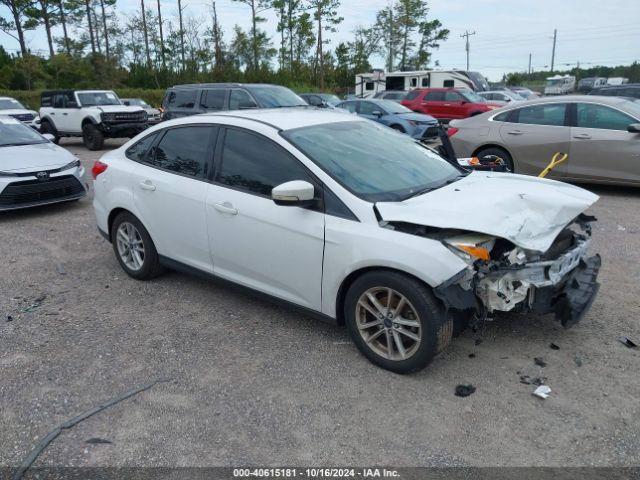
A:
{"x": 20, "y": 22}
{"x": 431, "y": 34}
{"x": 325, "y": 14}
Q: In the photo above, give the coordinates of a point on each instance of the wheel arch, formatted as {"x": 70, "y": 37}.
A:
{"x": 353, "y": 276}
{"x": 88, "y": 119}
{"x": 49, "y": 120}
{"x": 491, "y": 145}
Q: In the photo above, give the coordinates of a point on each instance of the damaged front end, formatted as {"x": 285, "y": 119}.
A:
{"x": 504, "y": 277}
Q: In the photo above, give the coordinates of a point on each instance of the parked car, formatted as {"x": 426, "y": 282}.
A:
{"x": 395, "y": 95}
{"x": 601, "y": 135}
{"x": 525, "y": 92}
{"x": 153, "y": 114}
{"x": 348, "y": 221}
{"x": 394, "y": 115}
{"x": 501, "y": 97}
{"x": 184, "y": 100}
{"x": 586, "y": 85}
{"x": 320, "y": 100}
{"x": 630, "y": 90}
{"x": 447, "y": 103}
{"x": 92, "y": 114}
{"x": 33, "y": 170}
{"x": 13, "y": 108}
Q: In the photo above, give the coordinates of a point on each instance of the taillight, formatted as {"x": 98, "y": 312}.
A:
{"x": 98, "y": 168}
{"x": 451, "y": 131}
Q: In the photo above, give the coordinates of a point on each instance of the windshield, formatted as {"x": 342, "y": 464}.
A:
{"x": 271, "y": 97}
{"x": 372, "y": 161}
{"x": 393, "y": 107}
{"x": 92, "y": 99}
{"x": 13, "y": 133}
{"x": 330, "y": 99}
{"x": 555, "y": 81}
{"x": 9, "y": 104}
{"x": 472, "y": 96}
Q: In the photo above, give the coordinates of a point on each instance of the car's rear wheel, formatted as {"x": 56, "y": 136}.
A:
{"x": 47, "y": 127}
{"x": 134, "y": 248}
{"x": 498, "y": 152}
{"x": 92, "y": 137}
{"x": 395, "y": 321}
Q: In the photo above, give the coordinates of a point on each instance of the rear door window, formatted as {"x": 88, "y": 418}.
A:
{"x": 349, "y": 106}
{"x": 240, "y": 100}
{"x": 591, "y": 115}
{"x": 213, "y": 100}
{"x": 367, "y": 108}
{"x": 546, "y": 114}
{"x": 452, "y": 97}
{"x": 182, "y": 99}
{"x": 185, "y": 150}
{"x": 434, "y": 97}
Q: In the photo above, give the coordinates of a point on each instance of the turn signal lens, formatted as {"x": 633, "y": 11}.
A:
{"x": 451, "y": 131}
{"x": 98, "y": 168}
{"x": 476, "y": 252}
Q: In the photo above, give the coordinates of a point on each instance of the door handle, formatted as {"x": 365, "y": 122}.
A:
{"x": 147, "y": 185}
{"x": 65, "y": 113}
{"x": 583, "y": 136}
{"x": 447, "y": 104}
{"x": 225, "y": 207}
{"x": 515, "y": 132}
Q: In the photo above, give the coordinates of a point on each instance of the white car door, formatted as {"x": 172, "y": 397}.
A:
{"x": 170, "y": 189}
{"x": 254, "y": 242}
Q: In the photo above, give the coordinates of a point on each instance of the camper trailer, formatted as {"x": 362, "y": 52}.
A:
{"x": 368, "y": 84}
{"x": 560, "y": 85}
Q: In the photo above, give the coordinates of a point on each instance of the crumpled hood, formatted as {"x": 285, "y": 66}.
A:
{"x": 417, "y": 117}
{"x": 528, "y": 211}
{"x": 119, "y": 108}
{"x": 18, "y": 111}
{"x": 32, "y": 158}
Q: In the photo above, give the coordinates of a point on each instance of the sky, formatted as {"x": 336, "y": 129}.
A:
{"x": 592, "y": 32}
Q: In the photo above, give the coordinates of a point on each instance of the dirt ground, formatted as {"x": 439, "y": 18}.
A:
{"x": 251, "y": 383}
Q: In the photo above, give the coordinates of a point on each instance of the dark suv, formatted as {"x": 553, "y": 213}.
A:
{"x": 630, "y": 90}
{"x": 184, "y": 100}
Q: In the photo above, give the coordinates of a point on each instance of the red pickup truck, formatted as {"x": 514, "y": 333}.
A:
{"x": 447, "y": 103}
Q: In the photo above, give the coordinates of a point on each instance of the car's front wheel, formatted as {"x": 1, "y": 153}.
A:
{"x": 395, "y": 321}
{"x": 92, "y": 137}
{"x": 134, "y": 248}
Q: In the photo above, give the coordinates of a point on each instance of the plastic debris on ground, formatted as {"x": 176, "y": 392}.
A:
{"x": 540, "y": 362}
{"x": 60, "y": 269}
{"x": 542, "y": 391}
{"x": 553, "y": 346}
{"x": 527, "y": 380}
{"x": 478, "y": 341}
{"x": 577, "y": 360}
{"x": 98, "y": 441}
{"x": 627, "y": 342}
{"x": 464, "y": 390}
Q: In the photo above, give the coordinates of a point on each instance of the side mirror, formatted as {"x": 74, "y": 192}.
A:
{"x": 297, "y": 193}
{"x": 127, "y": 103}
{"x": 634, "y": 128}
{"x": 377, "y": 113}
{"x": 49, "y": 137}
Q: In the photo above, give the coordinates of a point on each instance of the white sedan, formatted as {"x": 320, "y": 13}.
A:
{"x": 33, "y": 170}
{"x": 348, "y": 220}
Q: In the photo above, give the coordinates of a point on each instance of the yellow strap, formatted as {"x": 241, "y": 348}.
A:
{"x": 557, "y": 159}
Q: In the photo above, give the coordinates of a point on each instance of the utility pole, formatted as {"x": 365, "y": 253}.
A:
{"x": 164, "y": 64}
{"x": 181, "y": 33}
{"x": 466, "y": 35}
{"x": 529, "y": 64}
{"x": 216, "y": 37}
{"x": 146, "y": 36}
{"x": 553, "y": 52}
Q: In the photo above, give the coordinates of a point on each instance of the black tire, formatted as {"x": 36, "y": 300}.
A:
{"x": 498, "y": 152}
{"x": 92, "y": 137}
{"x": 47, "y": 127}
{"x": 399, "y": 128}
{"x": 435, "y": 326}
{"x": 150, "y": 267}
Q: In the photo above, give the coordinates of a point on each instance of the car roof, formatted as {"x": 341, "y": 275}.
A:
{"x": 578, "y": 98}
{"x": 223, "y": 85}
{"x": 288, "y": 118}
{"x": 624, "y": 85}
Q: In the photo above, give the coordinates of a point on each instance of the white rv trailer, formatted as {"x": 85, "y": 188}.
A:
{"x": 368, "y": 84}
{"x": 560, "y": 85}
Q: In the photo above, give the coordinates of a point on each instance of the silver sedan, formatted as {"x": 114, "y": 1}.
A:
{"x": 601, "y": 136}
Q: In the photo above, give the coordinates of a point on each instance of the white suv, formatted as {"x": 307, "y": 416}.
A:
{"x": 92, "y": 114}
{"x": 348, "y": 220}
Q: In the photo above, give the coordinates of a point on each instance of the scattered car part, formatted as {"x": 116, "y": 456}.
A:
{"x": 553, "y": 346}
{"x": 557, "y": 159}
{"x": 627, "y": 342}
{"x": 542, "y": 391}
{"x": 540, "y": 362}
{"x": 464, "y": 390}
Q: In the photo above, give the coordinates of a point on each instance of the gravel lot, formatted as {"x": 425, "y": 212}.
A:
{"x": 255, "y": 384}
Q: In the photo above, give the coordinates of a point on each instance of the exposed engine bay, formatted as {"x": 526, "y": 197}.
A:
{"x": 502, "y": 276}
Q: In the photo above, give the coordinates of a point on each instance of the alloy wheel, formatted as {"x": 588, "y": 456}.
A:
{"x": 130, "y": 246}
{"x": 388, "y": 323}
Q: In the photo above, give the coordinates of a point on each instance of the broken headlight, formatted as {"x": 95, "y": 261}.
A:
{"x": 471, "y": 247}
{"x": 74, "y": 164}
